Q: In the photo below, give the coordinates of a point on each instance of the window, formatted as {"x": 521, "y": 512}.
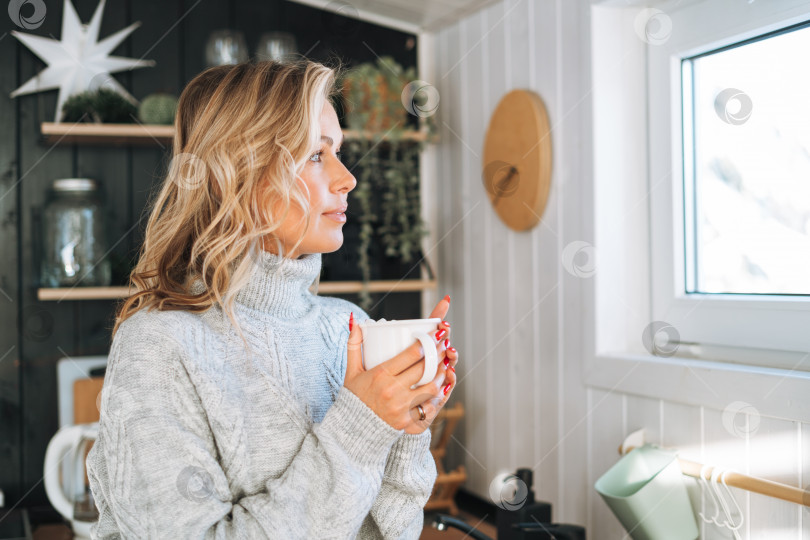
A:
{"x": 729, "y": 175}
{"x": 747, "y": 193}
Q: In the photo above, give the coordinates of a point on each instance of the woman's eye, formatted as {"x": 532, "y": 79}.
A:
{"x": 316, "y": 157}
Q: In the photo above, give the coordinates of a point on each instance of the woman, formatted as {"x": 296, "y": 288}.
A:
{"x": 235, "y": 403}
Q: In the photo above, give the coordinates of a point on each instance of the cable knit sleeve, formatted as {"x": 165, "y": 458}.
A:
{"x": 410, "y": 472}
{"x": 154, "y": 469}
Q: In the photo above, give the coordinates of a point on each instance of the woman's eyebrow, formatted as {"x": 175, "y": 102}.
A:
{"x": 329, "y": 140}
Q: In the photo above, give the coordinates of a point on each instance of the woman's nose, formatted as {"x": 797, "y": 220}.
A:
{"x": 345, "y": 180}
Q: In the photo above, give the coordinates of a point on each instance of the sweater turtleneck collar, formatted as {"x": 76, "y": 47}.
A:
{"x": 280, "y": 285}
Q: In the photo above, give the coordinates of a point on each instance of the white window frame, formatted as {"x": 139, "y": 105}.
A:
{"x": 614, "y": 215}
{"x": 767, "y": 323}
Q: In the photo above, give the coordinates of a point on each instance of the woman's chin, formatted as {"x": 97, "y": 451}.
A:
{"x": 334, "y": 243}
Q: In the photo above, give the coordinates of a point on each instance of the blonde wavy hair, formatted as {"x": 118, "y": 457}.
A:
{"x": 242, "y": 136}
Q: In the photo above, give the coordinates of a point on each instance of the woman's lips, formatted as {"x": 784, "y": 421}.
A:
{"x": 340, "y": 217}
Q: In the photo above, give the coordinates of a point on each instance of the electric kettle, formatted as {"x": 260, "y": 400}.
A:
{"x": 65, "y": 476}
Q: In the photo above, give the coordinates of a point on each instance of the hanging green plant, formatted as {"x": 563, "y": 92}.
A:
{"x": 388, "y": 164}
{"x": 372, "y": 96}
{"x": 361, "y": 198}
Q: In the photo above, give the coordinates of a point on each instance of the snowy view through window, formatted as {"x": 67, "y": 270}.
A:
{"x": 748, "y": 199}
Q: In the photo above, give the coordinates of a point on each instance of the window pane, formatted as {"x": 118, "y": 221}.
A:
{"x": 748, "y": 180}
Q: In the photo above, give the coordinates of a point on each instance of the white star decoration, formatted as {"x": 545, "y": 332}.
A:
{"x": 78, "y": 62}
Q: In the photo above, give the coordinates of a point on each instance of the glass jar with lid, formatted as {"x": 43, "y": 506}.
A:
{"x": 74, "y": 243}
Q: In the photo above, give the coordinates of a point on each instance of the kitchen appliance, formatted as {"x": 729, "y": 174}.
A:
{"x": 520, "y": 507}
{"x": 518, "y": 515}
{"x": 533, "y": 530}
{"x": 68, "y": 372}
{"x": 79, "y": 383}
{"x": 68, "y": 493}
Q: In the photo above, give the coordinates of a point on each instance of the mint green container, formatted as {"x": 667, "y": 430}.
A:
{"x": 645, "y": 490}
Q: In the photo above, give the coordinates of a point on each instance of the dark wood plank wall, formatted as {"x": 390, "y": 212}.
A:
{"x": 10, "y": 312}
{"x": 35, "y": 335}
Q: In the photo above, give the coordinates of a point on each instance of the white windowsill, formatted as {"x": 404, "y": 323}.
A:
{"x": 779, "y": 393}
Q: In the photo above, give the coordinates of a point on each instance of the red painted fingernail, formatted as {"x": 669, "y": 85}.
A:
{"x": 351, "y": 321}
{"x": 440, "y": 334}
{"x": 447, "y": 343}
{"x": 447, "y": 297}
{"x": 452, "y": 349}
{"x": 447, "y": 324}
{"x": 446, "y": 361}
{"x": 451, "y": 368}
{"x": 446, "y": 388}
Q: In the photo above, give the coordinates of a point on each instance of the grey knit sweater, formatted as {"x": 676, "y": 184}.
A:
{"x": 201, "y": 438}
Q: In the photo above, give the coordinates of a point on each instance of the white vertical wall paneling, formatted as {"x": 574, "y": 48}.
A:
{"x": 445, "y": 252}
{"x": 624, "y": 413}
{"x": 704, "y": 503}
{"x": 727, "y": 449}
{"x": 589, "y": 501}
{"x": 455, "y": 96}
{"x": 545, "y": 488}
{"x": 471, "y": 374}
{"x": 603, "y": 424}
{"x": 512, "y": 365}
{"x": 544, "y": 268}
{"x": 460, "y": 184}
{"x": 478, "y": 41}
{"x": 572, "y": 431}
{"x": 773, "y": 447}
{"x": 467, "y": 218}
{"x": 641, "y": 412}
{"x": 457, "y": 241}
{"x": 524, "y": 416}
{"x": 428, "y": 175}
{"x": 462, "y": 203}
{"x": 499, "y": 355}
{"x": 682, "y": 430}
{"x": 473, "y": 371}
{"x": 804, "y": 465}
{"x": 574, "y": 194}
{"x": 546, "y": 287}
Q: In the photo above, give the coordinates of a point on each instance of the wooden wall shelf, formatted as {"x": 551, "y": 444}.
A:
{"x": 325, "y": 287}
{"x": 151, "y": 135}
{"x": 107, "y": 134}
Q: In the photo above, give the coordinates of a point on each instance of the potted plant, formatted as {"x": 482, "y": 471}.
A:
{"x": 387, "y": 192}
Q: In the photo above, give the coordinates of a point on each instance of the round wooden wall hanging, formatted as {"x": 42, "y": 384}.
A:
{"x": 517, "y": 159}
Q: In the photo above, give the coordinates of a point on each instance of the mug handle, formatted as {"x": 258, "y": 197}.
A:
{"x": 431, "y": 358}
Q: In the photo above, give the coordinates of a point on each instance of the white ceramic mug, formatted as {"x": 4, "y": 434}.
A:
{"x": 383, "y": 340}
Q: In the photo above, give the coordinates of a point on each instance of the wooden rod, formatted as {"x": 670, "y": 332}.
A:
{"x": 753, "y": 484}
{"x": 749, "y": 483}
{"x": 151, "y": 134}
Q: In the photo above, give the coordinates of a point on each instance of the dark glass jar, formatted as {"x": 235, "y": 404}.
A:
{"x": 74, "y": 243}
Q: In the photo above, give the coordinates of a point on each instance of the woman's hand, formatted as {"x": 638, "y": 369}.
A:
{"x": 386, "y": 388}
{"x": 445, "y": 380}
